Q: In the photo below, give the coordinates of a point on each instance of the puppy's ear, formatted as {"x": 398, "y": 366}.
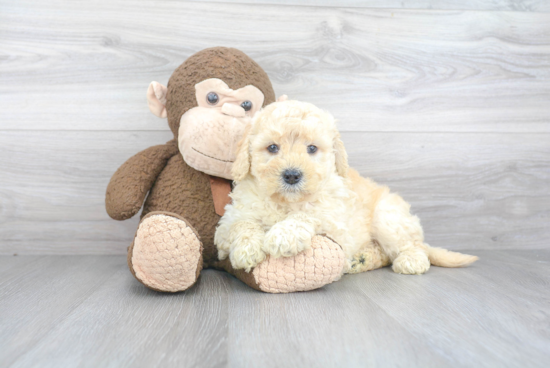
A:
{"x": 241, "y": 166}
{"x": 341, "y": 157}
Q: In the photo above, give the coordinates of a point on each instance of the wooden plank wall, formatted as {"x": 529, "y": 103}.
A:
{"x": 448, "y": 102}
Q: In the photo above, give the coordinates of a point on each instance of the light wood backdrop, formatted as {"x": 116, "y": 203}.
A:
{"x": 448, "y": 102}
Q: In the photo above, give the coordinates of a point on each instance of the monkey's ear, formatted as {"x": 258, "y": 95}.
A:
{"x": 282, "y": 98}
{"x": 156, "y": 99}
{"x": 241, "y": 166}
{"x": 341, "y": 157}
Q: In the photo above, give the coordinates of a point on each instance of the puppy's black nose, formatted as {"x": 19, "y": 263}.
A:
{"x": 292, "y": 176}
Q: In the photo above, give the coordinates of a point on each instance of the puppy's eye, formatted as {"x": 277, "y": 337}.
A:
{"x": 273, "y": 148}
{"x": 311, "y": 149}
{"x": 212, "y": 98}
{"x": 247, "y": 105}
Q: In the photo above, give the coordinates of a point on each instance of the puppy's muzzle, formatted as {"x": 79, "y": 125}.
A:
{"x": 292, "y": 176}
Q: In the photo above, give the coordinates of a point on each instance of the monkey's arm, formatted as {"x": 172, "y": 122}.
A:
{"x": 131, "y": 182}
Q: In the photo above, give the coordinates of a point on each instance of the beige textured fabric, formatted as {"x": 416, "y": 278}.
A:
{"x": 166, "y": 253}
{"x": 320, "y": 265}
{"x": 156, "y": 99}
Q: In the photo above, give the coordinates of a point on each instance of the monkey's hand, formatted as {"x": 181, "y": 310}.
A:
{"x": 290, "y": 236}
{"x": 131, "y": 182}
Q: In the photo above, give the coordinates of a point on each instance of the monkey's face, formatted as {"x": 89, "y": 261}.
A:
{"x": 209, "y": 133}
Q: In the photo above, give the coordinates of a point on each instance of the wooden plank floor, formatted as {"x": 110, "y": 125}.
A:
{"x": 68, "y": 311}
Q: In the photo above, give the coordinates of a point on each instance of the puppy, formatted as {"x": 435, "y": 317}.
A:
{"x": 293, "y": 182}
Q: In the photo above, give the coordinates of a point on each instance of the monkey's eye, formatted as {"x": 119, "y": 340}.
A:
{"x": 247, "y": 105}
{"x": 212, "y": 98}
{"x": 311, "y": 149}
{"x": 273, "y": 148}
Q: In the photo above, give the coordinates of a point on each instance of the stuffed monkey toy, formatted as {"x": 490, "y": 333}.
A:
{"x": 184, "y": 185}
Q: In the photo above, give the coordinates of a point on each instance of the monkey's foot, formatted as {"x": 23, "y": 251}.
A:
{"x": 311, "y": 269}
{"x": 166, "y": 254}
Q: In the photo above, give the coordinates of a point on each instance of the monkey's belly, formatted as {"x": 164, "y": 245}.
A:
{"x": 185, "y": 191}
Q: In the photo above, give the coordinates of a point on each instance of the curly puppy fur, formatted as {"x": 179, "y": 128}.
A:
{"x": 269, "y": 216}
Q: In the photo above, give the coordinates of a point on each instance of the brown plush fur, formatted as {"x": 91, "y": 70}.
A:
{"x": 131, "y": 182}
{"x": 183, "y": 190}
{"x": 173, "y": 186}
{"x": 230, "y": 65}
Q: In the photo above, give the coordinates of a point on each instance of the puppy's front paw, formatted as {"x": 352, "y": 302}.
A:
{"x": 221, "y": 240}
{"x": 247, "y": 255}
{"x": 243, "y": 241}
{"x": 286, "y": 239}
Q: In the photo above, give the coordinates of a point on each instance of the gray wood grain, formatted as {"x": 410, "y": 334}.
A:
{"x": 451, "y": 308}
{"x": 337, "y": 326}
{"x": 516, "y": 5}
{"x": 9, "y": 264}
{"x": 486, "y": 191}
{"x": 469, "y": 190}
{"x": 36, "y": 296}
{"x": 494, "y": 313}
{"x": 124, "y": 324}
{"x": 82, "y": 66}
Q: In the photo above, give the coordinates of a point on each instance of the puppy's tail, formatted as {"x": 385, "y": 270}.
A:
{"x": 445, "y": 258}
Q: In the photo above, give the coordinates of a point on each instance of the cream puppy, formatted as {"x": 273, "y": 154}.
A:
{"x": 293, "y": 182}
